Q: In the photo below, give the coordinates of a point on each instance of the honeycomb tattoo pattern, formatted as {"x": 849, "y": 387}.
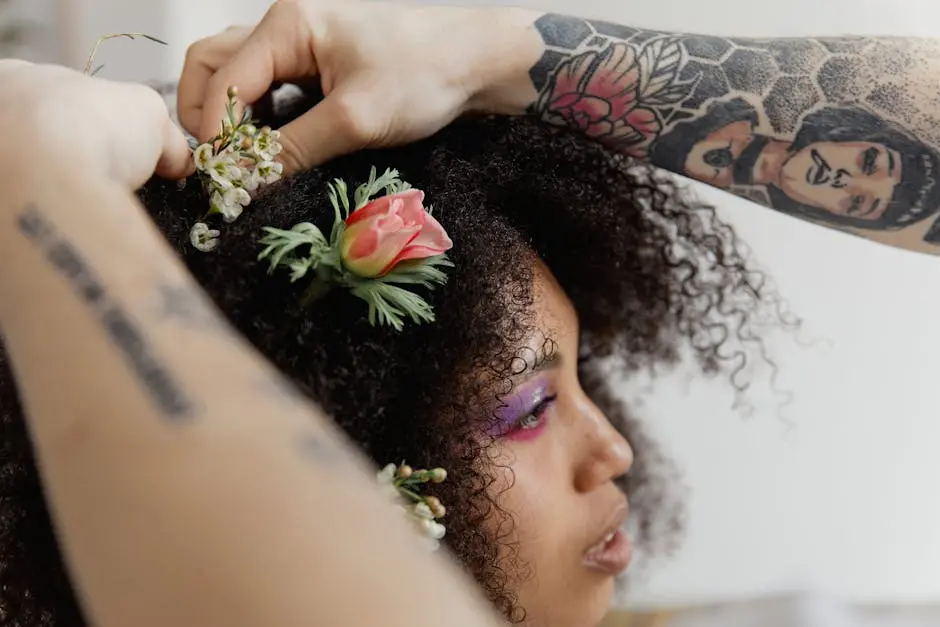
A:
{"x": 788, "y": 76}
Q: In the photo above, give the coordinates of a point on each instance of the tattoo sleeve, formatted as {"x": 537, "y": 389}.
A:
{"x": 839, "y": 131}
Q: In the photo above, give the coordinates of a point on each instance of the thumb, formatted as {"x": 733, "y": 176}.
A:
{"x": 340, "y": 124}
{"x": 176, "y": 160}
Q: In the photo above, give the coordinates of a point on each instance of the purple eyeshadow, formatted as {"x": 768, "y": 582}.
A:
{"x": 520, "y": 403}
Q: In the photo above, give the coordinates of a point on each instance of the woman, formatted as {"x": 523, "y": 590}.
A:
{"x": 395, "y": 74}
{"x": 844, "y": 166}
{"x": 556, "y": 268}
{"x": 166, "y": 423}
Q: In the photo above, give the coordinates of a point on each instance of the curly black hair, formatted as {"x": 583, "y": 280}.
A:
{"x": 647, "y": 269}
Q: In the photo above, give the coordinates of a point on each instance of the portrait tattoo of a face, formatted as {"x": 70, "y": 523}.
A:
{"x": 819, "y": 128}
{"x": 845, "y": 166}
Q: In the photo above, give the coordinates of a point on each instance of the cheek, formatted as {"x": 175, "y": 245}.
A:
{"x": 529, "y": 492}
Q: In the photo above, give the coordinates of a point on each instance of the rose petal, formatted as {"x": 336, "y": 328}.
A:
{"x": 381, "y": 205}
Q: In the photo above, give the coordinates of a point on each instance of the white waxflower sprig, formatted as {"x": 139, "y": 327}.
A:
{"x": 404, "y": 484}
{"x": 238, "y": 160}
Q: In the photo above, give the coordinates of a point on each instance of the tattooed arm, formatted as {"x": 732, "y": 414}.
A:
{"x": 188, "y": 486}
{"x": 843, "y": 132}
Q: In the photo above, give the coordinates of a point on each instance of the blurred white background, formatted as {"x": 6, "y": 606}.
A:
{"x": 844, "y": 500}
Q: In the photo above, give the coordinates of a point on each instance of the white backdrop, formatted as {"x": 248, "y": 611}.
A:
{"x": 846, "y": 502}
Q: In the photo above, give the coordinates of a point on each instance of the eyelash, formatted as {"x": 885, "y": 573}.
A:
{"x": 537, "y": 412}
{"x": 869, "y": 161}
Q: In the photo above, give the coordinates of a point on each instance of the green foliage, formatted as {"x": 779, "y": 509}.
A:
{"x": 305, "y": 251}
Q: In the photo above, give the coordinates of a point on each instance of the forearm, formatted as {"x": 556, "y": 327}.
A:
{"x": 745, "y": 115}
{"x": 188, "y": 486}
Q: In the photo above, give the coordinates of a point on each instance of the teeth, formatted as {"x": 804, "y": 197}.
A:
{"x": 599, "y": 547}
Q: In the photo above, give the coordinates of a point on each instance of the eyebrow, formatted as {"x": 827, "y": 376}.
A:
{"x": 890, "y": 163}
{"x": 874, "y": 205}
{"x": 550, "y": 362}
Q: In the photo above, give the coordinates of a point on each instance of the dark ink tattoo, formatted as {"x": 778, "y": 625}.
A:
{"x": 124, "y": 333}
{"x": 820, "y": 128}
{"x": 933, "y": 235}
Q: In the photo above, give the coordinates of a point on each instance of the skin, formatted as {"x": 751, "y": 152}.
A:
{"x": 855, "y": 179}
{"x": 734, "y": 138}
{"x": 621, "y": 85}
{"x": 561, "y": 462}
{"x": 846, "y": 178}
{"x": 110, "y": 440}
{"x": 145, "y": 431}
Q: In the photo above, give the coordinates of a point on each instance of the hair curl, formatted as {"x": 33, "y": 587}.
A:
{"x": 646, "y": 268}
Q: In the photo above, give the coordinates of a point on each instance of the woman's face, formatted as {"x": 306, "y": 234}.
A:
{"x": 853, "y": 179}
{"x": 558, "y": 458}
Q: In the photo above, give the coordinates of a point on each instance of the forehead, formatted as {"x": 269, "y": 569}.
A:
{"x": 555, "y": 314}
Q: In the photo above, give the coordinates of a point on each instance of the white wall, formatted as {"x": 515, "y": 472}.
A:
{"x": 845, "y": 502}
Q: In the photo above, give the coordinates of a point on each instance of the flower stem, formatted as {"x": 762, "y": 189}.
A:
{"x": 91, "y": 58}
{"x": 317, "y": 290}
{"x": 417, "y": 497}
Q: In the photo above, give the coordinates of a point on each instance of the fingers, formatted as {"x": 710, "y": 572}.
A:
{"x": 151, "y": 143}
{"x": 10, "y": 65}
{"x": 342, "y": 123}
{"x": 203, "y": 59}
{"x": 279, "y": 49}
{"x": 176, "y": 161}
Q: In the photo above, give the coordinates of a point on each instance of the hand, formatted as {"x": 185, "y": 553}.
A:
{"x": 120, "y": 130}
{"x": 391, "y": 73}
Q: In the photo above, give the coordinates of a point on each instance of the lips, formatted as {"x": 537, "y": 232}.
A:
{"x": 611, "y": 553}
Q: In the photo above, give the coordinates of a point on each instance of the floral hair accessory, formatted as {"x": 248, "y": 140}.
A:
{"x": 384, "y": 236}
{"x": 404, "y": 485}
{"x": 238, "y": 160}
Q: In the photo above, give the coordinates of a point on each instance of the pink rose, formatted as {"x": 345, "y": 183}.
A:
{"x": 390, "y": 230}
{"x": 598, "y": 92}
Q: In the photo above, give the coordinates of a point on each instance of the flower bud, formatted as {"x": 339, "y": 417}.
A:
{"x": 423, "y": 511}
{"x": 438, "y": 475}
{"x": 435, "y": 506}
{"x": 232, "y": 92}
{"x": 404, "y": 471}
{"x": 389, "y": 230}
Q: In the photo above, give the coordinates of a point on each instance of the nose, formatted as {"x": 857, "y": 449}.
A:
{"x": 604, "y": 454}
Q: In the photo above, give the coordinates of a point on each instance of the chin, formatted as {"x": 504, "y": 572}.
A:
{"x": 594, "y": 608}
{"x": 601, "y": 606}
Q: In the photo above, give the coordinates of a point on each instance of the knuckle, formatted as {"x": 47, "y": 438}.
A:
{"x": 353, "y": 118}
{"x": 196, "y": 50}
{"x": 292, "y": 154}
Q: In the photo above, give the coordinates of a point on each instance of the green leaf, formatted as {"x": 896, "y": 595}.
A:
{"x": 299, "y": 268}
{"x": 343, "y": 196}
{"x": 366, "y": 191}
{"x": 388, "y": 304}
{"x": 280, "y": 244}
{"x": 423, "y": 272}
{"x": 153, "y": 39}
{"x": 397, "y": 187}
{"x": 338, "y": 197}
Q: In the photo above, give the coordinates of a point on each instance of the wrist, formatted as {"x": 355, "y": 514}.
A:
{"x": 509, "y": 49}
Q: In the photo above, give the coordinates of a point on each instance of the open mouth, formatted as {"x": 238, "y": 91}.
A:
{"x": 612, "y": 552}
{"x": 611, "y": 555}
